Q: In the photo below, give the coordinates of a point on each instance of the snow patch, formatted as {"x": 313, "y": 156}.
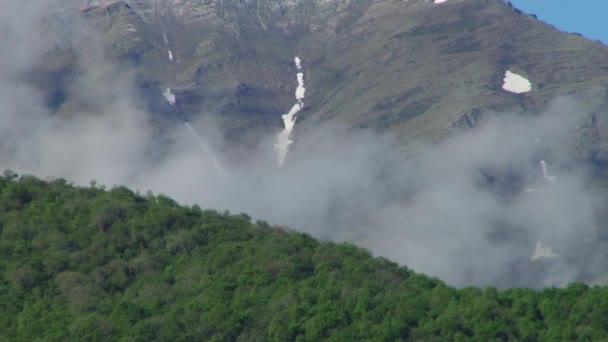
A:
{"x": 543, "y": 166}
{"x": 169, "y": 96}
{"x": 515, "y": 83}
{"x": 166, "y": 40}
{"x": 300, "y": 90}
{"x": 440, "y": 1}
{"x": 289, "y": 119}
{"x": 541, "y": 251}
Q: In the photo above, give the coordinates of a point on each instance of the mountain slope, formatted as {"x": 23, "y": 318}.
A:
{"x": 83, "y": 263}
{"x": 406, "y": 142}
{"x": 411, "y": 67}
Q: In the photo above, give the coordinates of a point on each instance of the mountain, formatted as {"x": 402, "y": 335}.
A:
{"x": 411, "y": 67}
{"x": 407, "y": 139}
{"x": 84, "y": 263}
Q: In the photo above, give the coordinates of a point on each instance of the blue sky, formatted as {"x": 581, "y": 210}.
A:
{"x": 587, "y": 17}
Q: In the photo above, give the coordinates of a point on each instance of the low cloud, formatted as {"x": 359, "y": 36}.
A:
{"x": 457, "y": 210}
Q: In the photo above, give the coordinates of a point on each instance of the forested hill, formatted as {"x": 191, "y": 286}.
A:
{"x": 87, "y": 264}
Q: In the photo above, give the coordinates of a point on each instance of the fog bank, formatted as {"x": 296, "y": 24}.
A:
{"x": 462, "y": 210}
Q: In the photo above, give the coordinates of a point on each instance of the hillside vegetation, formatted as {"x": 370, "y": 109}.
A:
{"x": 86, "y": 264}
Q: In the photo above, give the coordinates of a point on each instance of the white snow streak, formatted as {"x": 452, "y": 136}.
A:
{"x": 543, "y": 166}
{"x": 542, "y": 251}
{"x": 289, "y": 119}
{"x": 170, "y": 53}
{"x": 440, "y": 1}
{"x": 300, "y": 90}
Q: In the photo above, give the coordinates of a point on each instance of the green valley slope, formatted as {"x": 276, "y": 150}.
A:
{"x": 84, "y": 263}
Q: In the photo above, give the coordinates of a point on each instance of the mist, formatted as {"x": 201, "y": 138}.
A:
{"x": 469, "y": 210}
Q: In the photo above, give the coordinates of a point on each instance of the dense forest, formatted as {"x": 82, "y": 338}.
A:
{"x": 93, "y": 264}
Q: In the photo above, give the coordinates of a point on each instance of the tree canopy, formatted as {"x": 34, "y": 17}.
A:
{"x": 90, "y": 264}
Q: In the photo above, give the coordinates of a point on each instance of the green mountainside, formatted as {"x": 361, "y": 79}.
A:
{"x": 407, "y": 144}
{"x": 89, "y": 264}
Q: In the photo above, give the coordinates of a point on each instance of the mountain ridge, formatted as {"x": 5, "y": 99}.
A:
{"x": 410, "y": 105}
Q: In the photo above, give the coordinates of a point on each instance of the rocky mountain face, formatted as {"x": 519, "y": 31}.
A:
{"x": 420, "y": 71}
{"x": 412, "y": 67}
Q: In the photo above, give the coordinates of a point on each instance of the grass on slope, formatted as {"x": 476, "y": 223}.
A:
{"x": 93, "y": 264}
